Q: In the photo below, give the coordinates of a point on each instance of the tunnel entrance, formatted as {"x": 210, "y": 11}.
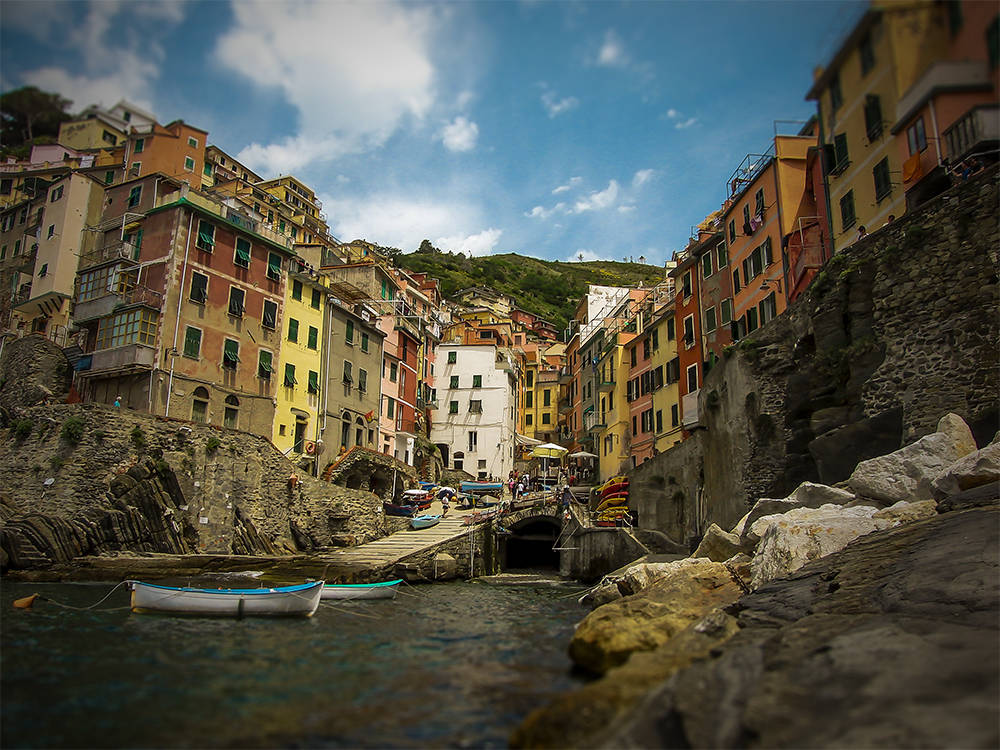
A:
{"x": 529, "y": 545}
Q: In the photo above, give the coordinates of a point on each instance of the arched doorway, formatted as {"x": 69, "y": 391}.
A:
{"x": 231, "y": 418}
{"x": 459, "y": 461}
{"x": 530, "y": 544}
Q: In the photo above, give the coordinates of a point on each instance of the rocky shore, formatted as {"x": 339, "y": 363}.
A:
{"x": 863, "y": 615}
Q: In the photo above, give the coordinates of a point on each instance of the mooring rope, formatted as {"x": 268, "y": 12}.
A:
{"x": 92, "y": 606}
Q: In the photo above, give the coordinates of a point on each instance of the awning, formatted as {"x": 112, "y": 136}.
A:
{"x": 525, "y": 440}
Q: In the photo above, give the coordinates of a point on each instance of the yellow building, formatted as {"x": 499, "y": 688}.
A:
{"x": 856, "y": 96}
{"x": 664, "y": 360}
{"x": 298, "y": 366}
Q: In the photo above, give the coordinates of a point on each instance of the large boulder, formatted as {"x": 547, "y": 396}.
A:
{"x": 812, "y": 495}
{"x": 790, "y": 540}
{"x": 973, "y": 470}
{"x": 683, "y": 592}
{"x": 904, "y": 512}
{"x": 909, "y": 473}
{"x": 718, "y": 545}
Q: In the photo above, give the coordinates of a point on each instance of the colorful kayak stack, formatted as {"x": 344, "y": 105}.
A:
{"x": 613, "y": 510}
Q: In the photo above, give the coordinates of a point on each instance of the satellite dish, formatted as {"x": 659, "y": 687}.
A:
{"x": 49, "y": 482}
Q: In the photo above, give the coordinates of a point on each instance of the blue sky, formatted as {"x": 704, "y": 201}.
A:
{"x": 550, "y": 129}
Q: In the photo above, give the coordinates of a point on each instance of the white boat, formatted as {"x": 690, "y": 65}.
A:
{"x": 383, "y": 590}
{"x": 301, "y": 600}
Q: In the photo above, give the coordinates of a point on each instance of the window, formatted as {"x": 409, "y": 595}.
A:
{"x": 393, "y": 372}
{"x": 751, "y": 318}
{"x": 109, "y": 177}
{"x": 721, "y": 256}
{"x": 290, "y": 381}
{"x": 3, "y": 252}
{"x": 655, "y": 336}
{"x": 726, "y": 311}
{"x": 732, "y": 231}
{"x": 273, "y": 266}
{"x": 390, "y": 407}
{"x": 293, "y": 330}
{"x": 193, "y": 142}
{"x": 313, "y": 384}
{"x": 758, "y": 203}
{"x": 297, "y": 290}
{"x": 362, "y": 379}
{"x": 109, "y": 138}
{"x": 349, "y": 333}
{"x": 454, "y": 382}
{"x": 710, "y": 320}
{"x": 528, "y": 420}
{"x": 747, "y": 228}
{"x": 453, "y": 407}
{"x": 847, "y": 216}
{"x": 317, "y": 297}
{"x": 867, "y": 54}
{"x": 130, "y": 327}
{"x": 270, "y": 317}
{"x": 674, "y": 415}
{"x": 364, "y": 342}
{"x": 706, "y": 265}
{"x": 686, "y": 284}
{"x": 57, "y": 193}
{"x": 873, "y": 117}
{"x": 840, "y": 156}
{"x": 836, "y": 98}
{"x": 242, "y": 257}
{"x": 529, "y": 379}
{"x": 477, "y": 381}
{"x": 192, "y": 342}
{"x": 199, "y": 405}
{"x": 140, "y": 145}
{"x": 231, "y": 416}
{"x": 692, "y": 378}
{"x": 659, "y": 420}
{"x": 546, "y": 418}
{"x": 6, "y": 186}
{"x": 348, "y": 372}
{"x": 475, "y": 406}
{"x": 473, "y": 440}
{"x": 207, "y": 171}
{"x": 206, "y": 236}
{"x": 547, "y": 397}
{"x": 736, "y": 281}
{"x": 230, "y": 354}
{"x": 883, "y": 185}
{"x": 52, "y": 231}
{"x": 689, "y": 331}
{"x": 313, "y": 341}
{"x": 768, "y": 308}
{"x": 753, "y": 264}
{"x": 671, "y": 329}
{"x": 645, "y": 348}
{"x": 452, "y": 357}
{"x": 188, "y": 163}
{"x": 916, "y": 137}
{"x": 236, "y": 298}
{"x": 264, "y": 360}
{"x": 43, "y": 270}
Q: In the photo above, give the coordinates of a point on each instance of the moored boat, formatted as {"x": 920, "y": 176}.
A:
{"x": 300, "y": 600}
{"x": 381, "y": 590}
{"x": 392, "y": 509}
{"x": 424, "y": 521}
{"x": 487, "y": 488}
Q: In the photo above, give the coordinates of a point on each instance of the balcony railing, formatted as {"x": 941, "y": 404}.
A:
{"x": 594, "y": 421}
{"x": 108, "y": 301}
{"x": 977, "y": 128}
{"x": 114, "y": 252}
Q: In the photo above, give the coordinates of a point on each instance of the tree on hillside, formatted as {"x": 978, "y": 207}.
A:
{"x": 427, "y": 247}
{"x": 27, "y": 113}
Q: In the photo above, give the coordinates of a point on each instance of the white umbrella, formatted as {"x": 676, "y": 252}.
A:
{"x": 545, "y": 451}
{"x": 583, "y": 454}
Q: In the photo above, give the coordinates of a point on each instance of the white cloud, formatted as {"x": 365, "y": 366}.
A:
{"x": 573, "y": 182}
{"x": 460, "y": 135}
{"x": 598, "y": 200}
{"x": 348, "y": 96}
{"x": 673, "y": 114}
{"x": 686, "y": 123}
{"x": 540, "y": 212}
{"x": 626, "y": 209}
{"x": 483, "y": 243}
{"x": 642, "y": 177}
{"x": 404, "y": 221}
{"x": 612, "y": 53}
{"x": 682, "y": 124}
{"x": 556, "y": 106}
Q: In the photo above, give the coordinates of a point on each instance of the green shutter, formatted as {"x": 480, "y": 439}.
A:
{"x": 297, "y": 290}
{"x": 313, "y": 337}
{"x": 231, "y": 354}
{"x": 192, "y": 342}
{"x": 349, "y": 333}
{"x": 313, "y": 381}
{"x": 293, "y": 330}
{"x": 264, "y": 369}
{"x": 242, "y": 252}
{"x": 206, "y": 235}
{"x": 290, "y": 380}
{"x": 274, "y": 266}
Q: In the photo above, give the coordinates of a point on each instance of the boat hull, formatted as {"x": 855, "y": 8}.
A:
{"x": 282, "y": 601}
{"x": 383, "y": 590}
{"x": 424, "y": 522}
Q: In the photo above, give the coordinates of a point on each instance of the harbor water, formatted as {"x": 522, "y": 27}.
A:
{"x": 444, "y": 665}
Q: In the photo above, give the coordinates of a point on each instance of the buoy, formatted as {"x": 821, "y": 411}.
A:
{"x": 26, "y": 602}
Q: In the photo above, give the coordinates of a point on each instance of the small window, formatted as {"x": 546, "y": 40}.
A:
{"x": 348, "y": 372}
{"x": 44, "y": 270}
{"x": 109, "y": 177}
{"x": 273, "y": 266}
{"x": 140, "y": 144}
{"x": 736, "y": 281}
{"x": 836, "y": 98}
{"x": 758, "y": 207}
{"x": 199, "y": 405}
{"x": 726, "y": 311}
{"x": 52, "y": 231}
{"x": 721, "y": 256}
{"x": 109, "y": 138}
{"x": 866, "y": 53}
{"x": 242, "y": 256}
{"x": 390, "y": 407}
{"x": 847, "y": 216}
{"x": 475, "y": 407}
{"x": 453, "y": 407}
{"x": 317, "y": 298}
{"x": 873, "y": 117}
{"x": 192, "y": 342}
{"x": 692, "y": 378}
{"x": 313, "y": 341}
{"x": 264, "y": 369}
{"x": 883, "y": 184}
{"x": 706, "y": 265}
{"x": 671, "y": 329}
{"x": 916, "y": 137}
{"x": 529, "y": 419}
{"x": 477, "y": 381}
{"x": 454, "y": 382}
{"x": 313, "y": 386}
{"x": 199, "y": 287}
{"x": 236, "y": 299}
{"x": 349, "y": 333}
{"x": 270, "y": 317}
{"x": 841, "y": 158}
{"x": 193, "y": 142}
{"x": 393, "y": 372}
{"x": 362, "y": 379}
{"x": 134, "y": 196}
{"x": 188, "y": 163}
{"x": 206, "y": 236}
{"x": 293, "y": 330}
{"x": 710, "y": 320}
{"x": 364, "y": 342}
{"x": 231, "y": 354}
{"x": 297, "y": 290}
{"x": 57, "y": 193}
{"x": 452, "y": 357}
{"x": 732, "y": 230}
{"x": 290, "y": 380}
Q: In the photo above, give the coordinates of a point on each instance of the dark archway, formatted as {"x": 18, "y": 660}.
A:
{"x": 529, "y": 545}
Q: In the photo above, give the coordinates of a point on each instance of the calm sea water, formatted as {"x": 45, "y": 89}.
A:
{"x": 450, "y": 665}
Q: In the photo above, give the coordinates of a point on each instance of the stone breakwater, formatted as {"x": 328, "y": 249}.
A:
{"x": 861, "y": 615}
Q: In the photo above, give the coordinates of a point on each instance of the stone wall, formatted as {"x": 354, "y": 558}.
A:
{"x": 33, "y": 370}
{"x": 664, "y": 492}
{"x": 895, "y": 331}
{"x": 138, "y": 483}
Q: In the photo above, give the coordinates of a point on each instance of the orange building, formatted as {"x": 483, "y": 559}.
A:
{"x": 688, "y": 325}
{"x": 176, "y": 150}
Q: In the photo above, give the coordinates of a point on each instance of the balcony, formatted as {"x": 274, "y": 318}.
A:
{"x": 122, "y": 360}
{"x": 565, "y": 405}
{"x": 22, "y": 295}
{"x": 689, "y": 409}
{"x": 565, "y": 376}
{"x": 408, "y": 325}
{"x": 977, "y": 131}
{"x": 115, "y": 252}
{"x": 109, "y": 301}
{"x": 950, "y": 76}
{"x": 605, "y": 385}
{"x": 594, "y": 421}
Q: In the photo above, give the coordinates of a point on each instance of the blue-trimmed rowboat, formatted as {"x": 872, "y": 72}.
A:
{"x": 383, "y": 590}
{"x": 300, "y": 600}
{"x": 487, "y": 488}
{"x": 424, "y": 521}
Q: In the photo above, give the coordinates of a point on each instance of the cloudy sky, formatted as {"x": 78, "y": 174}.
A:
{"x": 550, "y": 129}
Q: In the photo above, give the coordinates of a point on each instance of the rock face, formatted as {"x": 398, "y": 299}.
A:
{"x": 680, "y": 594}
{"x": 33, "y": 371}
{"x": 976, "y": 469}
{"x": 718, "y": 545}
{"x": 890, "y": 642}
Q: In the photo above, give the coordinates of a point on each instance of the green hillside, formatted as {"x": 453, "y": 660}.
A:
{"x": 550, "y": 289}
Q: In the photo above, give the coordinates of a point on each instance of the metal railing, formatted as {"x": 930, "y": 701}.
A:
{"x": 114, "y": 252}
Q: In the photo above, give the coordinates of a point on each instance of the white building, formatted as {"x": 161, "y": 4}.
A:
{"x": 476, "y": 417}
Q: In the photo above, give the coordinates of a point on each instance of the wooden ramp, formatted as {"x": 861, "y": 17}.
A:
{"x": 393, "y": 548}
